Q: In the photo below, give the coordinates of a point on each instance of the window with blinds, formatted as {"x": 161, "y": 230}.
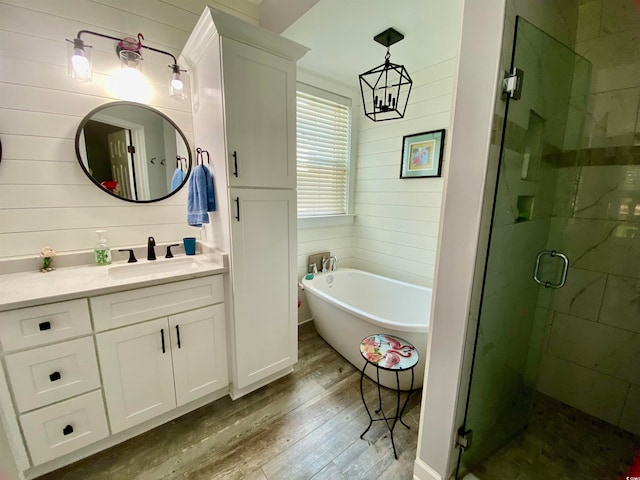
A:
{"x": 323, "y": 145}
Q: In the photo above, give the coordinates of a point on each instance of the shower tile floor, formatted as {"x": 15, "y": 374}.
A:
{"x": 306, "y": 425}
{"x": 561, "y": 443}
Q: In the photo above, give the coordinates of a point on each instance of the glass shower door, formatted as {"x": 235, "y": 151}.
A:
{"x": 541, "y": 124}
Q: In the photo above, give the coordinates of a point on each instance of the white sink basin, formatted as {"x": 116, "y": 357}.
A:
{"x": 155, "y": 267}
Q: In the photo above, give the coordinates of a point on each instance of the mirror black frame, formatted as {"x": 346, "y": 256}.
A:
{"x": 87, "y": 118}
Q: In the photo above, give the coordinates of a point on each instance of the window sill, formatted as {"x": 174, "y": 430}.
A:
{"x": 325, "y": 221}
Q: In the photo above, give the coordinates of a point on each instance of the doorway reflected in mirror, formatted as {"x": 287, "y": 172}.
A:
{"x": 133, "y": 152}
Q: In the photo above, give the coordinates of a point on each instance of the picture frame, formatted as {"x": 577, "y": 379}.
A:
{"x": 422, "y": 154}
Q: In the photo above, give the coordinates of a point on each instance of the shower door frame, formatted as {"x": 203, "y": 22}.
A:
{"x": 482, "y": 261}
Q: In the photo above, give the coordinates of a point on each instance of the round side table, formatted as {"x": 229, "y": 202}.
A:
{"x": 393, "y": 354}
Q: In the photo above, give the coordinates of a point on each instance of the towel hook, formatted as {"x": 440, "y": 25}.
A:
{"x": 200, "y": 156}
{"x": 181, "y": 162}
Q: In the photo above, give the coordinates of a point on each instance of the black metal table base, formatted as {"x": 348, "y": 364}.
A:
{"x": 380, "y": 411}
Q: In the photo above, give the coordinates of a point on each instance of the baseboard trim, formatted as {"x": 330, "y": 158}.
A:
{"x": 236, "y": 393}
{"x": 422, "y": 471}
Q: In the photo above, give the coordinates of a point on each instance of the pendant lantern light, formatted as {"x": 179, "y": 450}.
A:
{"x": 385, "y": 89}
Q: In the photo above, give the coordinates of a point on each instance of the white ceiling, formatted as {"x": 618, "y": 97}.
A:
{"x": 340, "y": 35}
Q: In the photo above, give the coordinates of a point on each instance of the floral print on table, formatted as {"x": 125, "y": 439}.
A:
{"x": 389, "y": 352}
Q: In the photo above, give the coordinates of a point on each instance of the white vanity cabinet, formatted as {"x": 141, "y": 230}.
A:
{"x": 244, "y": 110}
{"x": 150, "y": 368}
{"x": 52, "y": 369}
{"x": 81, "y": 375}
{"x": 155, "y": 366}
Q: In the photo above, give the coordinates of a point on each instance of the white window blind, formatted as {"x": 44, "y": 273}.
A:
{"x": 323, "y": 146}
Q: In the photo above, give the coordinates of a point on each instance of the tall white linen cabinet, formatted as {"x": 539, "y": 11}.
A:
{"x": 243, "y": 93}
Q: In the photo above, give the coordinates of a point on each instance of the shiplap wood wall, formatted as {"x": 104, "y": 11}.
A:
{"x": 45, "y": 198}
{"x": 397, "y": 220}
{"x": 395, "y": 232}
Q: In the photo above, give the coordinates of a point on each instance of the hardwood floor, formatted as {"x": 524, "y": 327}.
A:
{"x": 306, "y": 425}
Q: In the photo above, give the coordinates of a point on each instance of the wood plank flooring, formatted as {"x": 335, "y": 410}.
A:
{"x": 306, "y": 425}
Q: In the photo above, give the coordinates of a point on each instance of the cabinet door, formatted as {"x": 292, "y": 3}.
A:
{"x": 198, "y": 348}
{"x": 260, "y": 109}
{"x": 136, "y": 373}
{"x": 264, "y": 281}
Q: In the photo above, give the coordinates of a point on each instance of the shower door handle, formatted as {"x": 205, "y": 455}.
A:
{"x": 565, "y": 269}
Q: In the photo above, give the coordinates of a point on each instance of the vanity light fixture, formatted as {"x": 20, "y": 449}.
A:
{"x": 385, "y": 89}
{"x": 129, "y": 51}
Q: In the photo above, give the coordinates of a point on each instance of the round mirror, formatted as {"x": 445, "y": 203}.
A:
{"x": 133, "y": 152}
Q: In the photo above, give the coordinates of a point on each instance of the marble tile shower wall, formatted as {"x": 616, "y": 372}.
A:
{"x": 590, "y": 337}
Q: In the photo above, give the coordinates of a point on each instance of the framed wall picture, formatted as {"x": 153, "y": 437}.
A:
{"x": 422, "y": 154}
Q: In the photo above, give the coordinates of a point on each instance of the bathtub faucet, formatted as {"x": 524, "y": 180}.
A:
{"x": 332, "y": 263}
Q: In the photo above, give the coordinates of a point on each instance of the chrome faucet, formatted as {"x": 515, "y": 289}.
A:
{"x": 332, "y": 261}
{"x": 151, "y": 252}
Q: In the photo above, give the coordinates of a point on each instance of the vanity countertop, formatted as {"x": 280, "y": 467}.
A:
{"x": 26, "y": 289}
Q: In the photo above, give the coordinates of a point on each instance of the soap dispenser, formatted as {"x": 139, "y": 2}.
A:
{"x": 101, "y": 251}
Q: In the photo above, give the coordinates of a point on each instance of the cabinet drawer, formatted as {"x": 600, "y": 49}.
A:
{"x": 124, "y": 308}
{"x": 50, "y": 374}
{"x": 64, "y": 427}
{"x": 35, "y": 326}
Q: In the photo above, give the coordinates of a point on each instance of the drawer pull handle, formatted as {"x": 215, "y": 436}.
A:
{"x": 68, "y": 430}
{"x": 178, "y": 335}
{"x": 44, "y": 326}
{"x": 162, "y": 336}
{"x": 55, "y": 376}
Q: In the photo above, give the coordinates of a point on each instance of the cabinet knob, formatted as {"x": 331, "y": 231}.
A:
{"x": 68, "y": 430}
{"x": 44, "y": 326}
{"x": 55, "y": 376}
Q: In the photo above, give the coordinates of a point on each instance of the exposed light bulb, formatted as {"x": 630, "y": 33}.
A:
{"x": 129, "y": 84}
{"x": 80, "y": 64}
{"x": 79, "y": 60}
{"x": 176, "y": 83}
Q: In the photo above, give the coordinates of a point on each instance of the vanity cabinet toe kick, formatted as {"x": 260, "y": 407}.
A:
{"x": 85, "y": 374}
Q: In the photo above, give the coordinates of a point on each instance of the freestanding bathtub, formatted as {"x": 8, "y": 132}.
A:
{"x": 348, "y": 305}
